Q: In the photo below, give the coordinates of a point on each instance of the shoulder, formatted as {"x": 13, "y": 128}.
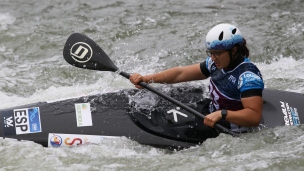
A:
{"x": 250, "y": 77}
{"x": 209, "y": 63}
{"x": 206, "y": 66}
{"x": 247, "y": 65}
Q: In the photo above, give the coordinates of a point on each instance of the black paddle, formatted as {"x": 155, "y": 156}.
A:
{"x": 82, "y": 52}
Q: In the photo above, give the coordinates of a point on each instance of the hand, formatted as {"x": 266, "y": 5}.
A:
{"x": 212, "y": 118}
{"x": 136, "y": 79}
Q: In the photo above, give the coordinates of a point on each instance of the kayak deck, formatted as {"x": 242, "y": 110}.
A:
{"x": 136, "y": 114}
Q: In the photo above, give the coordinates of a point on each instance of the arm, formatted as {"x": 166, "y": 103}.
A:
{"x": 170, "y": 76}
{"x": 248, "y": 117}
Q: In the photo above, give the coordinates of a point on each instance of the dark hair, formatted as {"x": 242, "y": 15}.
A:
{"x": 242, "y": 50}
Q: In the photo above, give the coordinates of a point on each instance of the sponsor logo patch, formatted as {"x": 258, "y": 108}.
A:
{"x": 55, "y": 140}
{"x": 291, "y": 116}
{"x": 21, "y": 121}
{"x": 27, "y": 120}
{"x": 83, "y": 114}
{"x": 70, "y": 140}
{"x": 247, "y": 78}
{"x": 232, "y": 79}
{"x": 8, "y": 123}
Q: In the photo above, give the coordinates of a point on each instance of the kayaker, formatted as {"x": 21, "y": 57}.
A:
{"x": 236, "y": 84}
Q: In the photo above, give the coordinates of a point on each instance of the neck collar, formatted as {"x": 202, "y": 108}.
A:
{"x": 234, "y": 62}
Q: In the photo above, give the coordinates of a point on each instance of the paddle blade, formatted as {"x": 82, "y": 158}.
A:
{"x": 82, "y": 52}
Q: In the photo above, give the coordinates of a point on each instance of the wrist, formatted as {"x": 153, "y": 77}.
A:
{"x": 224, "y": 114}
{"x": 148, "y": 79}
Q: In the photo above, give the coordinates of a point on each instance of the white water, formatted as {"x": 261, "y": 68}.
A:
{"x": 145, "y": 37}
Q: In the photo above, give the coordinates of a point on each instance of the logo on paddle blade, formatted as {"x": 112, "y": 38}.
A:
{"x": 81, "y": 52}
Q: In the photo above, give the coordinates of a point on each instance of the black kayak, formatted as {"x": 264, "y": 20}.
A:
{"x": 136, "y": 114}
{"x": 169, "y": 117}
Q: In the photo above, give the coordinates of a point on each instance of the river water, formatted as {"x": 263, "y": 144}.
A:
{"x": 146, "y": 36}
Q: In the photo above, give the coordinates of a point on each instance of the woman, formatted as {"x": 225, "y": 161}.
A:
{"x": 236, "y": 84}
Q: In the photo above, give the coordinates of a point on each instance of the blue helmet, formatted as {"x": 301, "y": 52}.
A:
{"x": 223, "y": 37}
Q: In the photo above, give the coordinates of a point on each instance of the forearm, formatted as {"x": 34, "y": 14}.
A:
{"x": 245, "y": 117}
{"x": 176, "y": 75}
{"x": 169, "y": 76}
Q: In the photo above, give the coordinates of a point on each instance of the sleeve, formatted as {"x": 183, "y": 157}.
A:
{"x": 252, "y": 92}
{"x": 250, "y": 80}
{"x": 205, "y": 67}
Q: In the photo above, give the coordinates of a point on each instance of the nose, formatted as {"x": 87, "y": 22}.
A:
{"x": 213, "y": 57}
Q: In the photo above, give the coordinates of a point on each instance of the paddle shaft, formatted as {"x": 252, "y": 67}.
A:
{"x": 83, "y": 52}
{"x": 178, "y": 103}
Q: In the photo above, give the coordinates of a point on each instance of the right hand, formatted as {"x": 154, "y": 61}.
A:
{"x": 136, "y": 79}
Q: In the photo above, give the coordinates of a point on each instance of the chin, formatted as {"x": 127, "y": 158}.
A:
{"x": 219, "y": 67}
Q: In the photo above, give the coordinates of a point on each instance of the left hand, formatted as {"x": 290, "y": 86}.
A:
{"x": 212, "y": 118}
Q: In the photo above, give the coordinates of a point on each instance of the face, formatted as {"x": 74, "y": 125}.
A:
{"x": 221, "y": 58}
